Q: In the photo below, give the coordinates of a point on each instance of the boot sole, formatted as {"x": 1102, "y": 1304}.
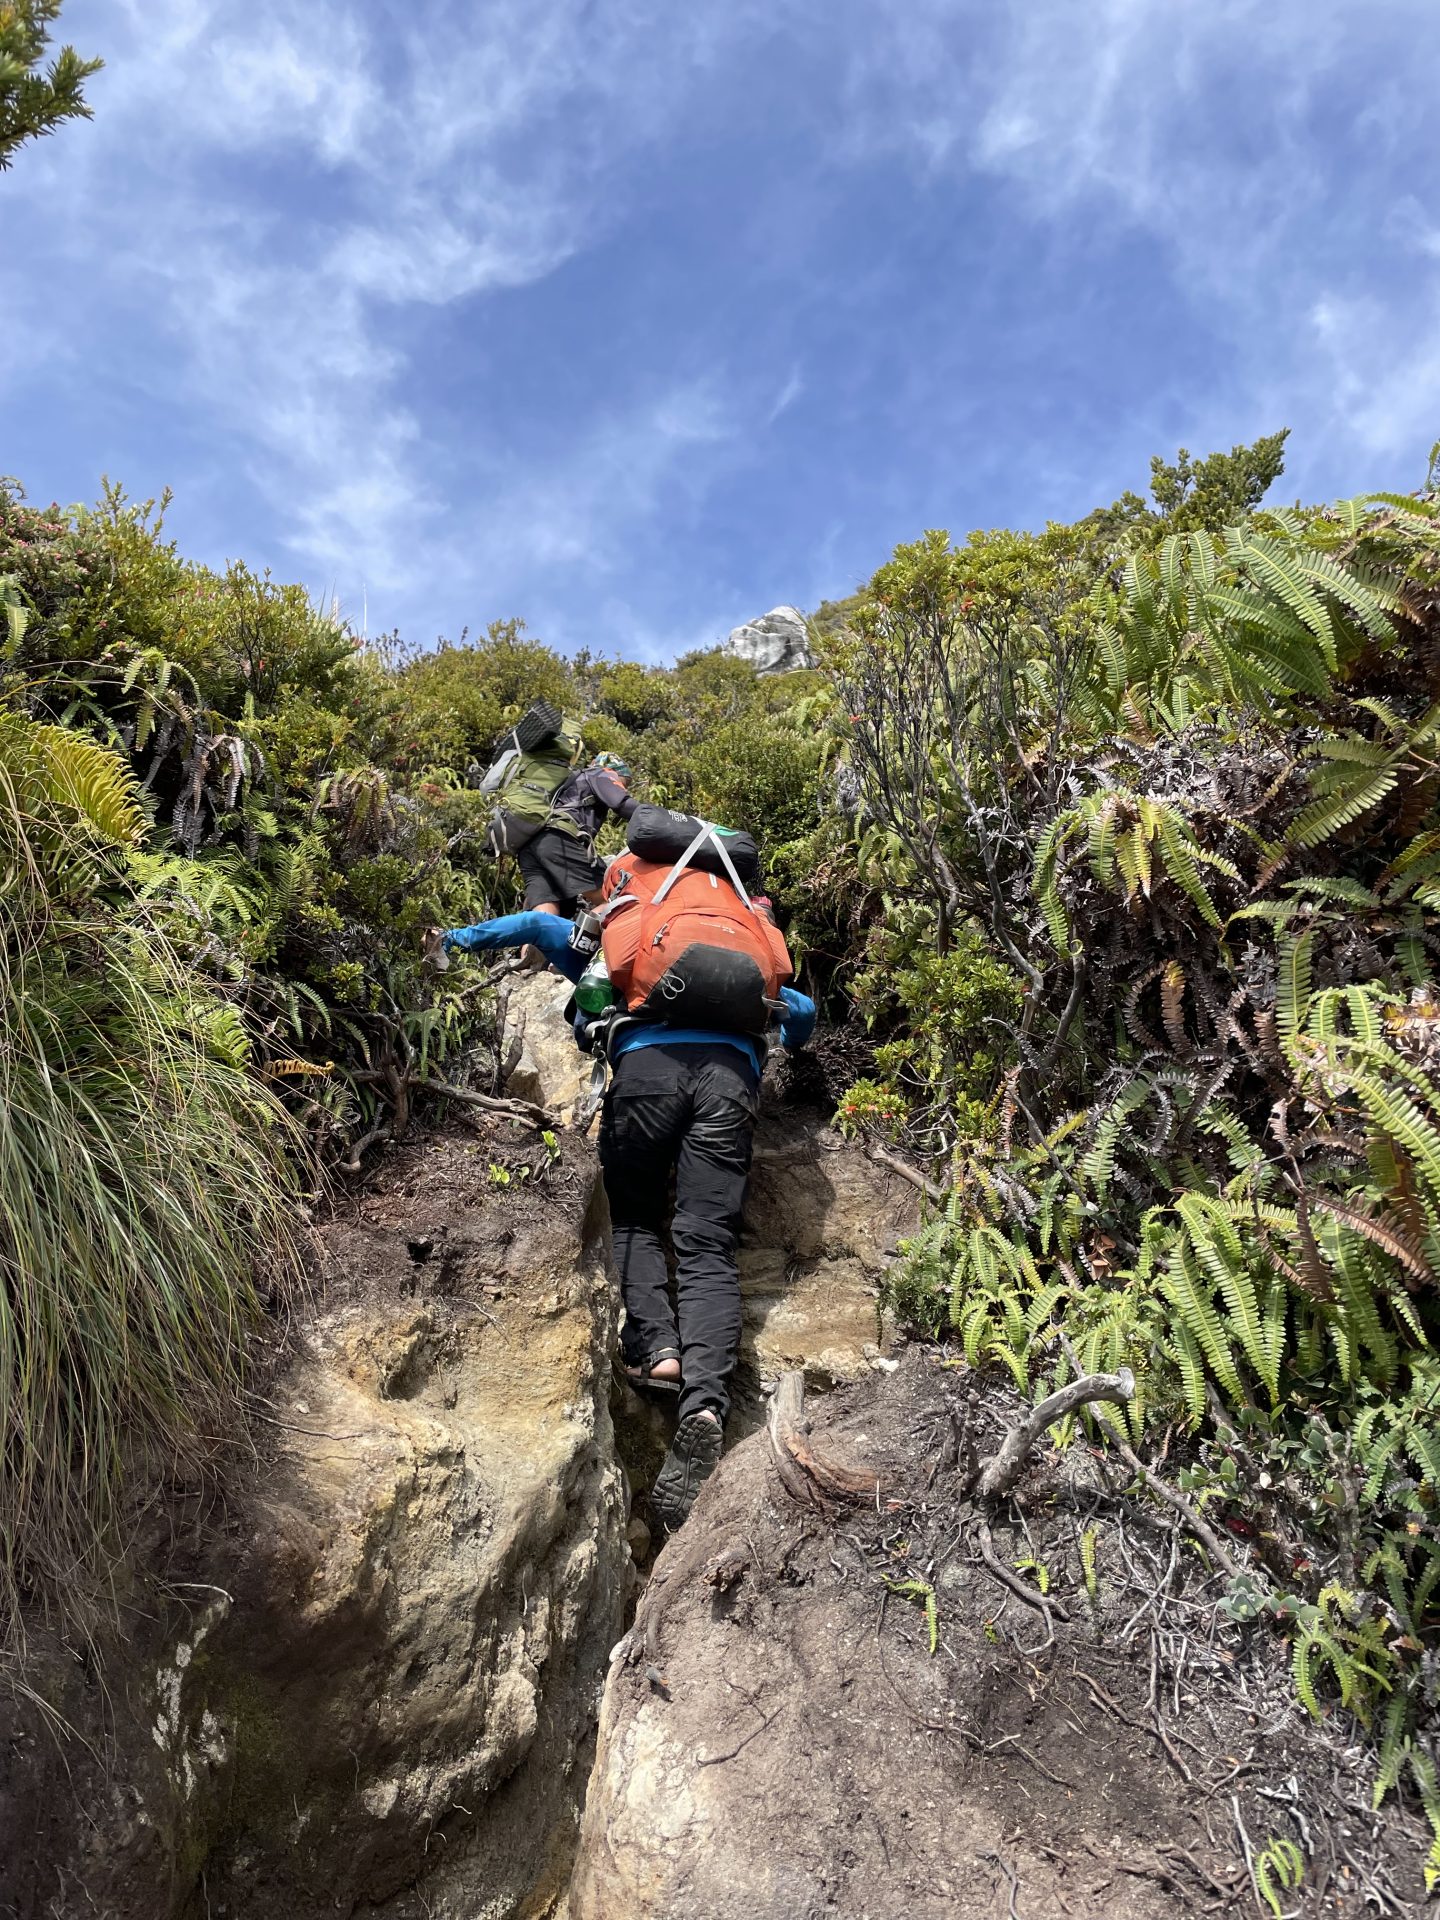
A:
{"x": 680, "y": 1479}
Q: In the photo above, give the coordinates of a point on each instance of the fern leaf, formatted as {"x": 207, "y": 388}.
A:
{"x": 1188, "y": 1358}
{"x": 1282, "y": 572}
{"x": 1364, "y": 1018}
{"x": 1046, "y": 888}
{"x": 1186, "y": 1289}
{"x": 1180, "y": 865}
{"x": 1141, "y": 854}
{"x": 1331, "y": 812}
{"x": 1102, "y": 842}
{"x": 1303, "y": 1674}
{"x": 1395, "y": 1244}
{"x": 1172, "y": 1005}
{"x": 1292, "y": 986}
{"x": 1348, "y": 892}
{"x": 1110, "y": 647}
{"x": 1352, "y": 750}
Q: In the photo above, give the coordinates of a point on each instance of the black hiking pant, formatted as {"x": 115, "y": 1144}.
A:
{"x": 689, "y": 1107}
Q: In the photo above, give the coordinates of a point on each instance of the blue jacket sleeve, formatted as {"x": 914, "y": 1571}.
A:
{"x": 547, "y": 931}
{"x": 799, "y": 1021}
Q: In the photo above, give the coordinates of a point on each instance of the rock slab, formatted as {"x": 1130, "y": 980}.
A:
{"x": 778, "y": 642}
{"x": 368, "y": 1683}
{"x": 828, "y": 1708}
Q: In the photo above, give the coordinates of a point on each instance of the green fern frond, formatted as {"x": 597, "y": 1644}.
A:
{"x": 1186, "y": 1288}
{"x": 1327, "y": 815}
{"x": 1292, "y": 983}
{"x": 1102, "y": 842}
{"x": 1180, "y": 865}
{"x": 1349, "y": 893}
{"x": 1281, "y": 571}
{"x": 1189, "y": 1359}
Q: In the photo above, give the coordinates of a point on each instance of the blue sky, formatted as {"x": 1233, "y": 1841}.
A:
{"x": 635, "y": 319}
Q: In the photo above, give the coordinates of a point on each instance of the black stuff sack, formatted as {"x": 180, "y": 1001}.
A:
{"x": 659, "y": 835}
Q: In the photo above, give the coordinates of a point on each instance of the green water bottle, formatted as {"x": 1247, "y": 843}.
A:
{"x": 593, "y": 991}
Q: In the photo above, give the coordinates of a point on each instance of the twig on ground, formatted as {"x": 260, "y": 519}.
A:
{"x": 1177, "y": 1502}
{"x": 1011, "y": 1740}
{"x": 1052, "y": 1609}
{"x": 883, "y": 1157}
{"x": 1200, "y": 1871}
{"x": 1107, "y": 1700}
{"x": 714, "y": 1759}
{"x": 1010, "y": 1875}
{"x": 1249, "y": 1852}
{"x": 314, "y": 1433}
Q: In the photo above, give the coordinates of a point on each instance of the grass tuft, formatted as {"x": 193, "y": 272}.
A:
{"x": 146, "y": 1193}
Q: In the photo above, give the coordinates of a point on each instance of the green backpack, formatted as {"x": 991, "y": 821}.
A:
{"x": 525, "y": 784}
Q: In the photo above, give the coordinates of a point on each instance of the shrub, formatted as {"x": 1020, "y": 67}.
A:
{"x": 145, "y": 1187}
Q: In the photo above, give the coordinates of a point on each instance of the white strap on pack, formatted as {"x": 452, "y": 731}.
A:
{"x": 707, "y": 832}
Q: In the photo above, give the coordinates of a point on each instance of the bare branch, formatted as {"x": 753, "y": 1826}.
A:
{"x": 883, "y": 1157}
{"x": 999, "y": 1474}
{"x": 513, "y": 1109}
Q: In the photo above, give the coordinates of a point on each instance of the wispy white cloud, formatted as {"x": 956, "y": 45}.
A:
{"x": 789, "y": 393}
{"x": 1226, "y": 134}
{"x": 278, "y": 204}
{"x": 459, "y": 154}
{"x": 1383, "y": 374}
{"x": 577, "y": 511}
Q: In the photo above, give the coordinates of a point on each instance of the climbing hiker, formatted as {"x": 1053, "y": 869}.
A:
{"x": 549, "y": 809}
{"x": 679, "y": 978}
{"x": 560, "y": 865}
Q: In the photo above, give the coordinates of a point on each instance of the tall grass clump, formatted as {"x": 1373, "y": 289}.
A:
{"x": 145, "y": 1189}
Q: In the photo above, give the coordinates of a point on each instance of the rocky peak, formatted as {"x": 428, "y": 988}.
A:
{"x": 778, "y": 642}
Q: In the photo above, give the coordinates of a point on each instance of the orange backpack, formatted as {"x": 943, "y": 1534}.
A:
{"x": 688, "y": 947}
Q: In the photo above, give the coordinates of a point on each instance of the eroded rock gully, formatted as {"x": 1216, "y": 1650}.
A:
{"x": 366, "y": 1682}
{"x": 364, "y": 1676}
{"x": 365, "y": 1679}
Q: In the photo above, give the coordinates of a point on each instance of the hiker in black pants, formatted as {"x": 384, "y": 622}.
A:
{"x": 682, "y": 1098}
{"x": 687, "y": 1105}
{"x": 560, "y": 866}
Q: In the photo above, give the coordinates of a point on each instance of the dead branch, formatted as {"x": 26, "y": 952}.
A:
{"x": 1042, "y": 1603}
{"x": 999, "y": 1474}
{"x": 524, "y": 1110}
{"x": 1176, "y": 1502}
{"x": 362, "y": 1147}
{"x": 715, "y": 1759}
{"x": 883, "y": 1157}
{"x": 807, "y": 1475}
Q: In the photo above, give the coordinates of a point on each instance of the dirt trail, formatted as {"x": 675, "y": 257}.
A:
{"x": 780, "y": 1740}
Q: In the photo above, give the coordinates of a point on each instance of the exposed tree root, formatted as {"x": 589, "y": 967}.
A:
{"x": 806, "y": 1475}
{"x": 884, "y": 1158}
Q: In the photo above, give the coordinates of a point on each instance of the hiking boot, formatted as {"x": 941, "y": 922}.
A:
{"x": 694, "y": 1455}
